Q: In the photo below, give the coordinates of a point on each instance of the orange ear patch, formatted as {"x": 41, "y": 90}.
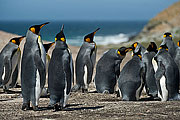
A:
{"x": 13, "y": 41}
{"x": 62, "y": 39}
{"x": 135, "y": 45}
{"x": 32, "y": 29}
{"x": 87, "y": 40}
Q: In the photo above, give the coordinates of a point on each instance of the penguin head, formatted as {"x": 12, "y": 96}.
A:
{"x": 122, "y": 51}
{"x": 60, "y": 36}
{"x": 89, "y": 38}
{"x": 137, "y": 53}
{"x": 152, "y": 47}
{"x": 167, "y": 35}
{"x": 17, "y": 40}
{"x": 178, "y": 43}
{"x": 48, "y": 45}
{"x": 163, "y": 47}
{"x": 133, "y": 46}
{"x": 36, "y": 28}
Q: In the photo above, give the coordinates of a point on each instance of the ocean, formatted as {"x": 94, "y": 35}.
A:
{"x": 111, "y": 32}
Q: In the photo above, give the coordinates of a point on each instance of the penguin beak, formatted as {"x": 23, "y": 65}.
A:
{"x": 21, "y": 38}
{"x": 129, "y": 49}
{"x": 43, "y": 24}
{"x": 62, "y": 28}
{"x": 52, "y": 44}
{"x": 96, "y": 31}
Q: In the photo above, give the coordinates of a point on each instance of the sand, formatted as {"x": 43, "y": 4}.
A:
{"x": 87, "y": 105}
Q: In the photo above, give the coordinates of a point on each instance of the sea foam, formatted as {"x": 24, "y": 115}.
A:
{"x": 102, "y": 40}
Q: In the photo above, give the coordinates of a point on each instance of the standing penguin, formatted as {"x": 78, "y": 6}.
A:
{"x": 173, "y": 49}
{"x": 138, "y": 47}
{"x": 60, "y": 73}
{"x": 150, "y": 81}
{"x": 167, "y": 75}
{"x": 9, "y": 63}
{"x": 85, "y": 63}
{"x": 33, "y": 69}
{"x": 130, "y": 81}
{"x": 108, "y": 70}
{"x": 47, "y": 47}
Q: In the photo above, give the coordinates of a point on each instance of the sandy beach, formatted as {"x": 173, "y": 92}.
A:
{"x": 86, "y": 105}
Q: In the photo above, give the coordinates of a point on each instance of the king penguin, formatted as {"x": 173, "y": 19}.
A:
{"x": 47, "y": 47}
{"x": 33, "y": 69}
{"x": 85, "y": 62}
{"x": 167, "y": 75}
{"x": 108, "y": 70}
{"x": 138, "y": 47}
{"x": 60, "y": 73}
{"x": 150, "y": 81}
{"x": 173, "y": 49}
{"x": 9, "y": 63}
{"x": 131, "y": 78}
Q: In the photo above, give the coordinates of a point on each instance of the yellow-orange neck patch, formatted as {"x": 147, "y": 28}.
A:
{"x": 62, "y": 39}
{"x": 135, "y": 45}
{"x": 87, "y": 40}
{"x": 32, "y": 29}
{"x": 13, "y": 41}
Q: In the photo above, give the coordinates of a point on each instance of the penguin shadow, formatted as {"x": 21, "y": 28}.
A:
{"x": 82, "y": 108}
{"x": 6, "y": 100}
{"x": 150, "y": 99}
{"x": 52, "y": 108}
{"x": 10, "y": 92}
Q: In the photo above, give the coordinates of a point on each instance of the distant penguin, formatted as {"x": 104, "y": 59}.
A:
{"x": 150, "y": 81}
{"x": 85, "y": 63}
{"x": 167, "y": 75}
{"x": 47, "y": 46}
{"x": 138, "y": 47}
{"x": 60, "y": 73}
{"x": 173, "y": 49}
{"x": 108, "y": 70}
{"x": 33, "y": 69}
{"x": 131, "y": 78}
{"x": 178, "y": 43}
{"x": 9, "y": 63}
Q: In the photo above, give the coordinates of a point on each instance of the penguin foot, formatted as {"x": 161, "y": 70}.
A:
{"x": 105, "y": 92}
{"x": 58, "y": 107}
{"x": 84, "y": 90}
{"x": 117, "y": 93}
{"x": 8, "y": 91}
{"x": 25, "y": 106}
{"x": 35, "y": 108}
{"x": 75, "y": 88}
{"x": 17, "y": 86}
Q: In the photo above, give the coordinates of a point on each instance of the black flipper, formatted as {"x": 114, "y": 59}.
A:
{"x": 89, "y": 69}
{"x": 68, "y": 76}
{"x": 14, "y": 77}
{"x": 41, "y": 68}
{"x": 160, "y": 71}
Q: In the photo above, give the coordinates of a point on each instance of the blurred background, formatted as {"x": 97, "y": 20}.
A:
{"x": 119, "y": 20}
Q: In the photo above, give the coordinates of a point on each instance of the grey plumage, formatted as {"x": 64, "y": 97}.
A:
{"x": 130, "y": 81}
{"x": 173, "y": 49}
{"x": 108, "y": 70}
{"x": 33, "y": 69}
{"x": 60, "y": 73}
{"x": 85, "y": 62}
{"x": 9, "y": 63}
{"x": 167, "y": 76}
{"x": 150, "y": 81}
